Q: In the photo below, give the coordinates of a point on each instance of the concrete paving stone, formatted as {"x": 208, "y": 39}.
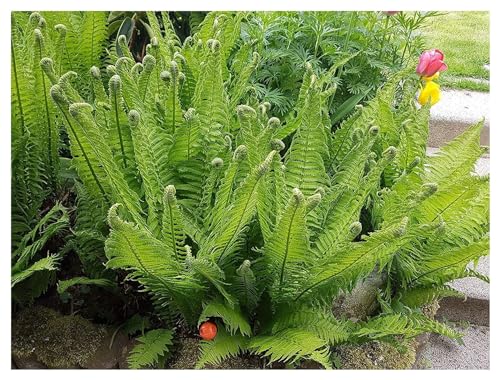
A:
{"x": 455, "y": 112}
{"x": 443, "y": 353}
{"x": 462, "y": 106}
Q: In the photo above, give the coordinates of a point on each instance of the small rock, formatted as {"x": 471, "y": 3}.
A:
{"x": 124, "y": 352}
{"x": 105, "y": 357}
{"x": 57, "y": 341}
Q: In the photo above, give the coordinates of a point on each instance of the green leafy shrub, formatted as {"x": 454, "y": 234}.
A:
{"x": 216, "y": 218}
{"x": 360, "y": 50}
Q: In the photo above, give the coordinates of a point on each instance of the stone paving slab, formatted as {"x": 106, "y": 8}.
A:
{"x": 462, "y": 107}
{"x": 443, "y": 353}
{"x": 455, "y": 112}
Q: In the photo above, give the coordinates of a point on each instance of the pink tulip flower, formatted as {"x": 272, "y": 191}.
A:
{"x": 430, "y": 63}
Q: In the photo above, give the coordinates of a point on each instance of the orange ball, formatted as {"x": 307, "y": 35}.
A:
{"x": 208, "y": 330}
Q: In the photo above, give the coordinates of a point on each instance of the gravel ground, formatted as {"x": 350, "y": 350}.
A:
{"x": 443, "y": 353}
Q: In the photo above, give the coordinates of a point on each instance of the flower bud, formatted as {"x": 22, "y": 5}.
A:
{"x": 264, "y": 167}
{"x": 137, "y": 69}
{"x": 111, "y": 70}
{"x": 165, "y": 76}
{"x": 297, "y": 196}
{"x": 190, "y": 114}
{"x": 148, "y": 62}
{"x": 416, "y": 161}
{"x": 401, "y": 229}
{"x": 113, "y": 219}
{"x": 78, "y": 110}
{"x": 313, "y": 201}
{"x": 374, "y": 131}
{"x": 34, "y": 18}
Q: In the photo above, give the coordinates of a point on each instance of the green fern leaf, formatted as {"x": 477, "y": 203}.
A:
{"x": 232, "y": 317}
{"x": 151, "y": 348}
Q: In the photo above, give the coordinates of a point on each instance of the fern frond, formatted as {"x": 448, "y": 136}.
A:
{"x": 225, "y": 236}
{"x": 420, "y": 296}
{"x": 49, "y": 263}
{"x": 245, "y": 287}
{"x": 399, "y": 324}
{"x": 289, "y": 244}
{"x": 134, "y": 249}
{"x": 317, "y": 320}
{"x": 64, "y": 285}
{"x": 210, "y": 98}
{"x": 349, "y": 263}
{"x": 305, "y": 159}
{"x": 442, "y": 266}
{"x": 221, "y": 348}
{"x": 456, "y": 159}
{"x": 151, "y": 348}
{"x": 232, "y": 317}
{"x": 291, "y": 345}
{"x": 172, "y": 228}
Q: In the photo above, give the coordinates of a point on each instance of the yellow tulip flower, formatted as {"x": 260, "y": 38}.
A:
{"x": 434, "y": 77}
{"x": 430, "y": 92}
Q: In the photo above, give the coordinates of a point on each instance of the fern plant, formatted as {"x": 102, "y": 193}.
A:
{"x": 216, "y": 218}
{"x": 39, "y": 183}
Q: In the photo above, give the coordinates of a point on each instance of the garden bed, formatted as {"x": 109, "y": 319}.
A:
{"x": 187, "y": 193}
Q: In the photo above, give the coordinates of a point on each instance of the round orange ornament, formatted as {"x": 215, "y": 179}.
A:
{"x": 208, "y": 330}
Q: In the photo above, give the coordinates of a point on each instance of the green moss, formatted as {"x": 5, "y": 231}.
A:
{"x": 57, "y": 341}
{"x": 430, "y": 309}
{"x": 188, "y": 350}
{"x": 186, "y": 354}
{"x": 377, "y": 355}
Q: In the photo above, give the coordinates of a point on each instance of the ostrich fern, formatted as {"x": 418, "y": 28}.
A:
{"x": 215, "y": 217}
